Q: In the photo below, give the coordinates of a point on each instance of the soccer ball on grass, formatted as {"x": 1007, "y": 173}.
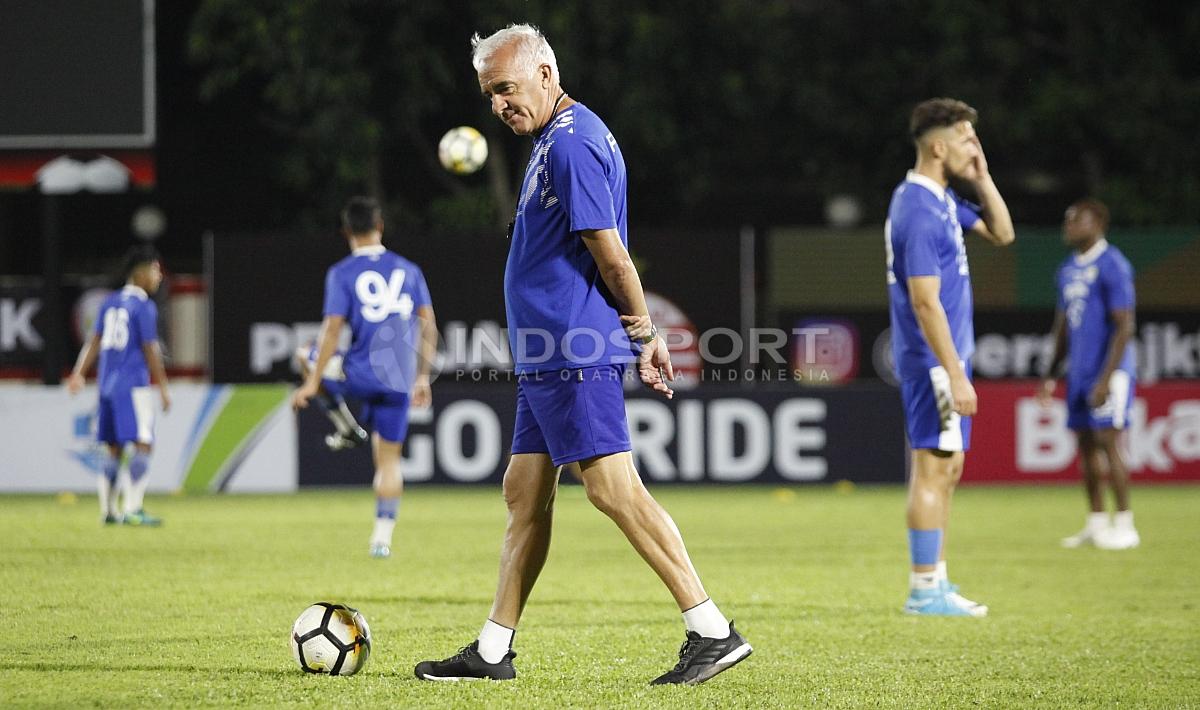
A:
{"x": 331, "y": 638}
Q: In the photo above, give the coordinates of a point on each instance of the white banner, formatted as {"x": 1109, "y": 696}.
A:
{"x": 215, "y": 438}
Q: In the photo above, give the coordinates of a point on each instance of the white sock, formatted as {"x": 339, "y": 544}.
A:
{"x": 383, "y": 531}
{"x": 924, "y": 580}
{"x": 941, "y": 571}
{"x": 1123, "y": 520}
{"x": 107, "y": 492}
{"x": 124, "y": 484}
{"x": 1097, "y": 521}
{"x": 135, "y": 493}
{"x": 494, "y": 641}
{"x": 707, "y": 620}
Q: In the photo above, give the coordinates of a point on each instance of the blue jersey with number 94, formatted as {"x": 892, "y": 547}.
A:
{"x": 378, "y": 292}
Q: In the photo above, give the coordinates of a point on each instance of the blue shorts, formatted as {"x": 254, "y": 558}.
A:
{"x": 126, "y": 416}
{"x": 571, "y": 414}
{"x": 383, "y": 410}
{"x": 930, "y": 421}
{"x": 1113, "y": 414}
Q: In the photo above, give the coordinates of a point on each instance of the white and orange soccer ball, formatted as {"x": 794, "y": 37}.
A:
{"x": 331, "y": 638}
{"x": 463, "y": 150}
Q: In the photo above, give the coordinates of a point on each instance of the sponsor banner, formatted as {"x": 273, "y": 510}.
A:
{"x": 260, "y": 316}
{"x": 1008, "y": 344}
{"x": 706, "y": 434}
{"x": 231, "y": 438}
{"x": 1015, "y": 439}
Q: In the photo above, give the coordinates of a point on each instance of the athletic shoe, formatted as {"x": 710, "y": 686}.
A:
{"x": 701, "y": 658}
{"x": 111, "y": 519}
{"x": 380, "y": 550}
{"x": 1117, "y": 539}
{"x": 338, "y": 441}
{"x": 141, "y": 519}
{"x": 1087, "y": 536}
{"x": 467, "y": 664}
{"x": 939, "y": 602}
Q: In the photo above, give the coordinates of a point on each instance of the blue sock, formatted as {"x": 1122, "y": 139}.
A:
{"x": 138, "y": 463}
{"x": 386, "y": 507}
{"x": 925, "y": 546}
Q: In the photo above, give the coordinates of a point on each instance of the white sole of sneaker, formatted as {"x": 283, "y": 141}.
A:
{"x": 724, "y": 663}
{"x": 450, "y": 679}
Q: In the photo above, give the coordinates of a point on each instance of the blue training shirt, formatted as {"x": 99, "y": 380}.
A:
{"x": 378, "y": 292}
{"x": 923, "y": 236}
{"x": 127, "y": 320}
{"x": 560, "y": 313}
{"x": 1090, "y": 287}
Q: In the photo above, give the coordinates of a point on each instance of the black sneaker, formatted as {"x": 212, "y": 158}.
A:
{"x": 467, "y": 664}
{"x": 701, "y": 658}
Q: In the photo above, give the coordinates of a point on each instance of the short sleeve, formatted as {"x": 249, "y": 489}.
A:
{"x": 98, "y": 327}
{"x": 920, "y": 245}
{"x": 968, "y": 213}
{"x": 337, "y": 297}
{"x": 147, "y": 324}
{"x": 580, "y": 181}
{"x": 1116, "y": 277}
{"x": 421, "y": 291}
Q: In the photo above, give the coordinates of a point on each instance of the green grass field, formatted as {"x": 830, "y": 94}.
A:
{"x": 198, "y": 612}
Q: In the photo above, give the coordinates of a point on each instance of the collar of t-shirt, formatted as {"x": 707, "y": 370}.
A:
{"x": 369, "y": 250}
{"x": 1092, "y": 253}
{"x": 132, "y": 290}
{"x": 927, "y": 183}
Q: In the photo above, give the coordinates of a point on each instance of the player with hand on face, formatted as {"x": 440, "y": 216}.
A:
{"x": 1093, "y": 333}
{"x": 125, "y": 340}
{"x": 385, "y": 300}
{"x": 933, "y": 338}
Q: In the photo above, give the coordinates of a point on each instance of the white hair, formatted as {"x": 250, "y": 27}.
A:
{"x": 532, "y": 49}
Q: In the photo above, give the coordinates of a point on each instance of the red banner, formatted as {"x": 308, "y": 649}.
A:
{"x": 1014, "y": 439}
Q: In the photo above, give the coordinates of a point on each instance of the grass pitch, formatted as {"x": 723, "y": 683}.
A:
{"x": 198, "y": 612}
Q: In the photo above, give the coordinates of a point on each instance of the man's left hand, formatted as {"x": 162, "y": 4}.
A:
{"x": 1099, "y": 394}
{"x": 654, "y": 367}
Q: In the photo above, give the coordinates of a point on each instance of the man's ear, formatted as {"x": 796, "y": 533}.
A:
{"x": 546, "y": 75}
{"x": 937, "y": 148}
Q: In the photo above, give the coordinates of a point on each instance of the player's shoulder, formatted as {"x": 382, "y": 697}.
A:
{"x": 1117, "y": 258}
{"x": 913, "y": 206}
{"x": 397, "y": 259}
{"x": 579, "y": 127}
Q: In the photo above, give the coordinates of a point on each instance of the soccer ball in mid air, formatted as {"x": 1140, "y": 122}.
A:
{"x": 331, "y": 638}
{"x": 462, "y": 150}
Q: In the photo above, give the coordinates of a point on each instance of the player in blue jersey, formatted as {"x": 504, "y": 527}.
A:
{"x": 933, "y": 338}
{"x": 125, "y": 340}
{"x": 1093, "y": 332}
{"x": 384, "y": 299}
{"x": 570, "y": 289}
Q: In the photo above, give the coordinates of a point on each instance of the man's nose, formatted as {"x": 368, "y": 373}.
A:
{"x": 498, "y": 104}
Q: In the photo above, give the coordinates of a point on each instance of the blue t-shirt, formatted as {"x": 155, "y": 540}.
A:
{"x": 923, "y": 236}
{"x": 1090, "y": 287}
{"x": 378, "y": 292}
{"x": 127, "y": 320}
{"x": 560, "y": 313}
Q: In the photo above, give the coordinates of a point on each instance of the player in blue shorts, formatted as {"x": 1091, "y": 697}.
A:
{"x": 1093, "y": 332}
{"x": 384, "y": 298}
{"x": 125, "y": 340}
{"x": 567, "y": 281}
{"x": 929, "y": 290}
